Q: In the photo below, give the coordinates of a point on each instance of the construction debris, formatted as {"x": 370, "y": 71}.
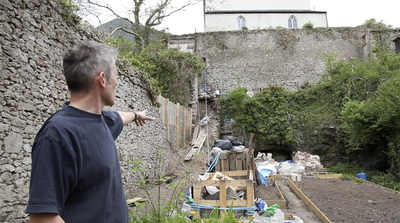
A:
{"x": 311, "y": 163}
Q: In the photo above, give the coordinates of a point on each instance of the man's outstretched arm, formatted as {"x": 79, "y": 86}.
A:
{"x": 138, "y": 117}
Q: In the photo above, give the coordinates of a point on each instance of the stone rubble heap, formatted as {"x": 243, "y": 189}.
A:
{"x": 312, "y": 163}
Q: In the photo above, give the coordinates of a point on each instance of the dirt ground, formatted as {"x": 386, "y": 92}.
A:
{"x": 340, "y": 200}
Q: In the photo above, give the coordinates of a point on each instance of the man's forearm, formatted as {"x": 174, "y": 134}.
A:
{"x": 138, "y": 117}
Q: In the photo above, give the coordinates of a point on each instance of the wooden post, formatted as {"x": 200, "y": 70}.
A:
{"x": 184, "y": 120}
{"x": 222, "y": 198}
{"x": 302, "y": 187}
{"x": 166, "y": 102}
{"x": 177, "y": 126}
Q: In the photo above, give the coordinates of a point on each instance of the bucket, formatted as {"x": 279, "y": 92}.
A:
{"x": 294, "y": 177}
{"x": 362, "y": 176}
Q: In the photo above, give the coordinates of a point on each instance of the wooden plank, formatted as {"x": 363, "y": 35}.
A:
{"x": 328, "y": 176}
{"x": 195, "y": 134}
{"x": 202, "y": 136}
{"x": 231, "y": 173}
{"x": 190, "y": 154}
{"x": 232, "y": 161}
{"x": 177, "y": 126}
{"x": 236, "y": 183}
{"x": 196, "y": 148}
{"x": 250, "y": 194}
{"x": 311, "y": 206}
{"x": 217, "y": 203}
{"x": 136, "y": 199}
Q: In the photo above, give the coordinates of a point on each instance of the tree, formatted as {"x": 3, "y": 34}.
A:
{"x": 141, "y": 15}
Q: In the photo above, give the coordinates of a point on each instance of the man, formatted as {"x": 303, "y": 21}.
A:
{"x": 76, "y": 175}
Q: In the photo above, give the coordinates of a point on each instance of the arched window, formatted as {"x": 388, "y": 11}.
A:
{"x": 292, "y": 22}
{"x": 240, "y": 22}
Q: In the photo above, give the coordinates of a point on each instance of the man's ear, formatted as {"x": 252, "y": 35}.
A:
{"x": 101, "y": 79}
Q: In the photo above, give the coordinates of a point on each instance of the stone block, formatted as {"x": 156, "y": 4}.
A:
{"x": 13, "y": 143}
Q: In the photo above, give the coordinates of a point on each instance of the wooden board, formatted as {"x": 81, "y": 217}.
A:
{"x": 136, "y": 199}
{"x": 198, "y": 143}
{"x": 311, "y": 206}
{"x": 328, "y": 176}
{"x": 195, "y": 134}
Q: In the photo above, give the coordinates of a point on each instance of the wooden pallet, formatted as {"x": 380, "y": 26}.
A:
{"x": 233, "y": 161}
{"x": 227, "y": 180}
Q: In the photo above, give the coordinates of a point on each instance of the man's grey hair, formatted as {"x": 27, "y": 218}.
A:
{"x": 84, "y": 61}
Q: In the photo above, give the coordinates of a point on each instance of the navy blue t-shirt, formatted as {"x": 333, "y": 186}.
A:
{"x": 75, "y": 168}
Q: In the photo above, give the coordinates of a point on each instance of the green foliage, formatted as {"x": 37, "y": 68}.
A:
{"x": 359, "y": 98}
{"x": 170, "y": 71}
{"x": 346, "y": 168}
{"x": 308, "y": 25}
{"x": 280, "y": 27}
{"x": 358, "y": 180}
{"x": 160, "y": 208}
{"x": 69, "y": 10}
{"x": 245, "y": 28}
{"x": 376, "y": 120}
{"x": 230, "y": 217}
{"x": 268, "y": 114}
{"x": 350, "y": 170}
{"x": 373, "y": 24}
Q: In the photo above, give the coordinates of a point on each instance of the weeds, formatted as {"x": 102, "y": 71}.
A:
{"x": 160, "y": 208}
{"x": 349, "y": 172}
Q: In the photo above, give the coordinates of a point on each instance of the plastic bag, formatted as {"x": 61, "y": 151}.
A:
{"x": 278, "y": 217}
{"x": 223, "y": 144}
{"x": 260, "y": 204}
{"x": 286, "y": 168}
{"x": 270, "y": 211}
{"x": 233, "y": 140}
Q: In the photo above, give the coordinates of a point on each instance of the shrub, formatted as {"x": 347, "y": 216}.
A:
{"x": 308, "y": 25}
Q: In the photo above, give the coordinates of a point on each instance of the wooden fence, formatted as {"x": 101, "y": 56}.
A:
{"x": 178, "y": 121}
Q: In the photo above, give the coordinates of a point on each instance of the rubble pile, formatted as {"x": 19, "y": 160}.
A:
{"x": 311, "y": 163}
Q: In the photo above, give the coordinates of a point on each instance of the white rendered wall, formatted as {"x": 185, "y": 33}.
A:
{"x": 226, "y": 22}
{"x": 229, "y": 5}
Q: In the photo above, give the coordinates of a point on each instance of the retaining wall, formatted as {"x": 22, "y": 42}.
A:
{"x": 33, "y": 37}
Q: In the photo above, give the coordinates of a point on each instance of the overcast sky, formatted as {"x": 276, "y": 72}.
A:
{"x": 341, "y": 13}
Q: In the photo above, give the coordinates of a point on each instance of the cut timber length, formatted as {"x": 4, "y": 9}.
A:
{"x": 311, "y": 206}
{"x": 197, "y": 141}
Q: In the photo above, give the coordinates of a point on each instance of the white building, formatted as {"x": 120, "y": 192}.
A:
{"x": 260, "y": 14}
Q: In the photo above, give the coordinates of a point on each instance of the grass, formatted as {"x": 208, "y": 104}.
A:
{"x": 350, "y": 171}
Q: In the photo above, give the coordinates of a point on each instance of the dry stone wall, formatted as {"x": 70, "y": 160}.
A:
{"x": 290, "y": 57}
{"x": 33, "y": 37}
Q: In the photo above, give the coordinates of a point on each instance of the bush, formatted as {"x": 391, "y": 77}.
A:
{"x": 171, "y": 72}
{"x": 308, "y": 25}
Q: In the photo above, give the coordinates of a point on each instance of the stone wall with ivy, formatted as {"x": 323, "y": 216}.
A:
{"x": 34, "y": 35}
{"x": 285, "y": 57}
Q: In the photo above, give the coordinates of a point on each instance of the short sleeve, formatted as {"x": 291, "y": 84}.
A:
{"x": 54, "y": 175}
{"x": 114, "y": 122}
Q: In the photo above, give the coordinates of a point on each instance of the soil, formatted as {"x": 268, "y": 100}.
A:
{"x": 347, "y": 201}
